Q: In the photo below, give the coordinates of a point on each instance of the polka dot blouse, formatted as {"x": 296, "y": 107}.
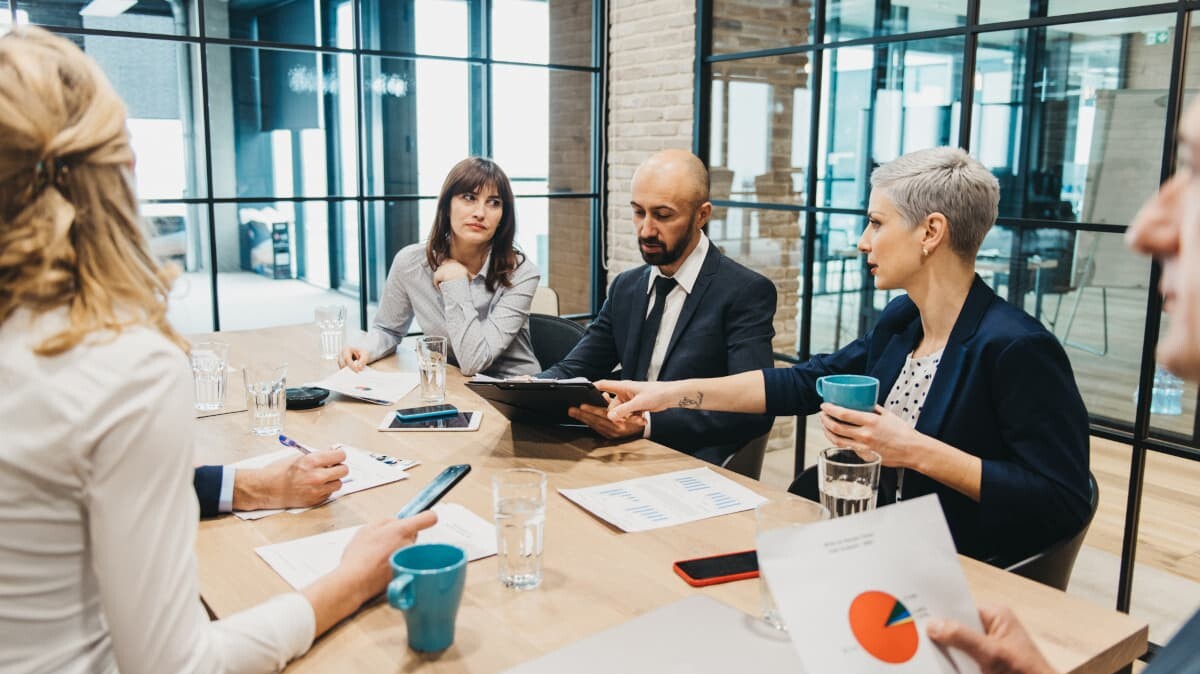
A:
{"x": 907, "y": 397}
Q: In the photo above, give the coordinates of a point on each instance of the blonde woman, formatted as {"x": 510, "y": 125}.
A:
{"x": 97, "y": 513}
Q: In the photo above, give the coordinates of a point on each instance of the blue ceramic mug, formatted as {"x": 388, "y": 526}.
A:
{"x": 427, "y": 584}
{"x": 852, "y": 391}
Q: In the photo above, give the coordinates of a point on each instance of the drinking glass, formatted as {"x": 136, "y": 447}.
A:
{"x": 780, "y": 513}
{"x": 431, "y": 360}
{"x": 331, "y": 318}
{"x": 848, "y": 479}
{"x": 519, "y": 506}
{"x": 265, "y": 399}
{"x": 209, "y": 373}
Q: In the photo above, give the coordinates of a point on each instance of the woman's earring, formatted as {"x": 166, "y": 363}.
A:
{"x": 925, "y": 252}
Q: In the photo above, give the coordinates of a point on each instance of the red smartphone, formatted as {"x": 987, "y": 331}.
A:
{"x": 718, "y": 568}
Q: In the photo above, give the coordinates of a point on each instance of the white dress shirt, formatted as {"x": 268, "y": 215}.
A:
{"x": 98, "y": 516}
{"x": 685, "y": 279}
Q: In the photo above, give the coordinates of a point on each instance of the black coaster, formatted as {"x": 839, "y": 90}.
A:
{"x": 306, "y": 397}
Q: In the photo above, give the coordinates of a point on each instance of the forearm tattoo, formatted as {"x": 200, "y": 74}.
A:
{"x": 692, "y": 402}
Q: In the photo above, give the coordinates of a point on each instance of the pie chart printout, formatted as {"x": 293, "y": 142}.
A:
{"x": 883, "y": 627}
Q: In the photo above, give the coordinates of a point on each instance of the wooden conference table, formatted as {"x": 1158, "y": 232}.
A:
{"x": 595, "y": 576}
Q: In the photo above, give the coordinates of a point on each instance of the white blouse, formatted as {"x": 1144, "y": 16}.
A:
{"x": 98, "y": 517}
{"x": 907, "y": 397}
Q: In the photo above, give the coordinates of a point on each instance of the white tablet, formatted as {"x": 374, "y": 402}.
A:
{"x": 463, "y": 421}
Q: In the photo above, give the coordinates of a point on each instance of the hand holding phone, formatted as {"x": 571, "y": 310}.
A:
{"x": 426, "y": 412}
{"x": 718, "y": 568}
{"x": 435, "y": 490}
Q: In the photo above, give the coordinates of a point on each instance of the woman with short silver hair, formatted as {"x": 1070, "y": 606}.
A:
{"x": 977, "y": 402}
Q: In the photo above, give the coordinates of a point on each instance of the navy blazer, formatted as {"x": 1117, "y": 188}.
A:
{"x": 207, "y": 483}
{"x": 1004, "y": 392}
{"x": 724, "y": 327}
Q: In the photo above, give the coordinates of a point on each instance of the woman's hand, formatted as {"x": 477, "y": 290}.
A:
{"x": 353, "y": 358}
{"x": 635, "y": 397}
{"x": 450, "y": 270}
{"x": 880, "y": 431}
{"x": 367, "y": 556}
{"x": 1003, "y": 648}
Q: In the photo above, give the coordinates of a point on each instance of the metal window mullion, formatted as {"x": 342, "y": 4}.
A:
{"x": 599, "y": 205}
{"x": 208, "y": 166}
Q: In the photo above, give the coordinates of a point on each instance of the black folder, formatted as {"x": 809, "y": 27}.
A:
{"x": 538, "y": 402}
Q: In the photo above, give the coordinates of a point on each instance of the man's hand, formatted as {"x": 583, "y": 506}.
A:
{"x": 597, "y": 419}
{"x": 293, "y": 482}
{"x": 1004, "y": 648}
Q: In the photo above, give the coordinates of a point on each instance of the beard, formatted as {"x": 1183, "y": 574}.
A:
{"x": 665, "y": 255}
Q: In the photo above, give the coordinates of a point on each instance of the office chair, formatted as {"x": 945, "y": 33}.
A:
{"x": 748, "y": 460}
{"x": 552, "y": 337}
{"x": 1052, "y": 566}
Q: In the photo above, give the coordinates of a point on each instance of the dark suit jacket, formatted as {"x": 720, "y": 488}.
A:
{"x": 207, "y": 481}
{"x": 1004, "y": 392}
{"x": 725, "y": 327}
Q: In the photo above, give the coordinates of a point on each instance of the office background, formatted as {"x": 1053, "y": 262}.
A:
{"x": 287, "y": 149}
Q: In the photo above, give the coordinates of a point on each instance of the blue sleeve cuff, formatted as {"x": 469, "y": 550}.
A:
{"x": 225, "y": 503}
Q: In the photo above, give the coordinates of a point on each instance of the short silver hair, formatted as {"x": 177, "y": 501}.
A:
{"x": 943, "y": 180}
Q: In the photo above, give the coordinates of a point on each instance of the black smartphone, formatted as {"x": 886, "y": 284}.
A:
{"x": 435, "y": 490}
{"x": 718, "y": 568}
{"x": 426, "y": 412}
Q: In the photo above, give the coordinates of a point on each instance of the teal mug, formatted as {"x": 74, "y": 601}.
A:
{"x": 852, "y": 391}
{"x": 427, "y": 584}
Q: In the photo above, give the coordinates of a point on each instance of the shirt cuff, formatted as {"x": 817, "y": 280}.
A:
{"x": 646, "y": 430}
{"x": 225, "y": 502}
{"x": 457, "y": 292}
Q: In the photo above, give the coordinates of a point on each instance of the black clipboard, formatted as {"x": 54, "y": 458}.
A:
{"x": 538, "y": 402}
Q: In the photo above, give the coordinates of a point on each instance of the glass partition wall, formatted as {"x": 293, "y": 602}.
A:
{"x": 286, "y": 150}
{"x": 1071, "y": 104}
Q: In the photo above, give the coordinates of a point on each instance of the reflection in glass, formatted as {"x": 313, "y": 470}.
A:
{"x": 880, "y": 102}
{"x": 321, "y": 23}
{"x": 433, "y": 27}
{"x": 542, "y": 31}
{"x": 856, "y": 19}
{"x": 761, "y": 117}
{"x": 740, "y": 26}
{"x": 1070, "y": 118}
{"x": 169, "y": 17}
{"x": 276, "y": 261}
{"x": 542, "y": 147}
{"x": 1173, "y": 409}
{"x": 280, "y": 123}
{"x": 178, "y": 234}
{"x": 992, "y": 11}
{"x": 417, "y": 122}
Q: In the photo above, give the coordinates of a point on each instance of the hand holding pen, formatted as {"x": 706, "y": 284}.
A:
{"x": 292, "y": 482}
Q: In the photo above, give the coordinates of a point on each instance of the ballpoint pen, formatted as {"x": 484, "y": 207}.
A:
{"x": 288, "y": 442}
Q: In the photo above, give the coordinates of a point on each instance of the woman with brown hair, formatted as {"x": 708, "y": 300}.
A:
{"x": 466, "y": 283}
{"x": 97, "y": 513}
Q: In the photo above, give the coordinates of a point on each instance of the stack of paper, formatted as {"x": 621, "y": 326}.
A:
{"x": 664, "y": 500}
{"x": 366, "y": 471}
{"x": 304, "y": 560}
{"x": 373, "y": 386}
{"x": 856, "y": 592}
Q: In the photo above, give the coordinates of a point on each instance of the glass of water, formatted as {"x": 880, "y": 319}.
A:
{"x": 780, "y": 513}
{"x": 265, "y": 396}
{"x": 848, "y": 479}
{"x": 331, "y": 318}
{"x": 519, "y": 506}
{"x": 209, "y": 373}
{"x": 431, "y": 360}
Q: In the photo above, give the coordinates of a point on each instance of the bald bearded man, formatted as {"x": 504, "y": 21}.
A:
{"x": 688, "y": 312}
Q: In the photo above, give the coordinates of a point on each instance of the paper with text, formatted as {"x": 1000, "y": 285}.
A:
{"x": 367, "y": 470}
{"x": 658, "y": 501}
{"x": 302, "y": 561}
{"x": 857, "y": 592}
{"x": 373, "y": 386}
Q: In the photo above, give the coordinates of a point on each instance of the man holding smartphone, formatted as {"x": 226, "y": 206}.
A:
{"x": 291, "y": 482}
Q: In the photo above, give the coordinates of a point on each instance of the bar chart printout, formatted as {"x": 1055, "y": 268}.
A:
{"x": 664, "y": 500}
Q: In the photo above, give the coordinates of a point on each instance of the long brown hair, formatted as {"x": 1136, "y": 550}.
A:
{"x": 70, "y": 235}
{"x": 469, "y": 175}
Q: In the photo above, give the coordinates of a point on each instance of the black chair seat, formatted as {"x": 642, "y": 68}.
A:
{"x": 748, "y": 460}
{"x": 553, "y": 338}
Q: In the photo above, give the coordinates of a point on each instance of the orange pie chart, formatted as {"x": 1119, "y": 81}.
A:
{"x": 883, "y": 627}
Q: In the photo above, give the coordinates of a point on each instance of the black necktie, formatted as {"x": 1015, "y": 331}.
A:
{"x": 662, "y": 286}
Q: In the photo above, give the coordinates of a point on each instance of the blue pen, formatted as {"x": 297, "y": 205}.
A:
{"x": 288, "y": 442}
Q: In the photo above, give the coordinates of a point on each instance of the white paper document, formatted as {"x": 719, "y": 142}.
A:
{"x": 857, "y": 592}
{"x": 658, "y": 501}
{"x": 373, "y": 386}
{"x": 367, "y": 470}
{"x": 302, "y": 561}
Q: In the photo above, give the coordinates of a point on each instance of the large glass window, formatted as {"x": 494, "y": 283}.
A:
{"x": 326, "y": 137}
